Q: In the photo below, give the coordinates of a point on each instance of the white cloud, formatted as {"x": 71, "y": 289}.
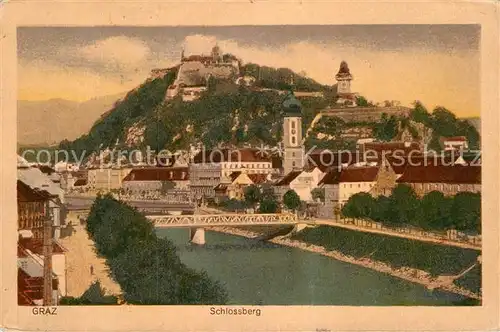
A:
{"x": 118, "y": 51}
{"x": 118, "y": 63}
{"x": 435, "y": 78}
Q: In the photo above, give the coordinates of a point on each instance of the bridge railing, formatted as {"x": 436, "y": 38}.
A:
{"x": 225, "y": 219}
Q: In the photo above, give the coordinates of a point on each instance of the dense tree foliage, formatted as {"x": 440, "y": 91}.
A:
{"x": 318, "y": 194}
{"x": 252, "y": 194}
{"x": 363, "y": 102}
{"x": 359, "y": 205}
{"x": 94, "y": 295}
{"x": 433, "y": 211}
{"x": 281, "y": 78}
{"x": 146, "y": 267}
{"x": 291, "y": 200}
{"x": 234, "y": 205}
{"x": 386, "y": 129}
{"x": 268, "y": 205}
{"x": 445, "y": 124}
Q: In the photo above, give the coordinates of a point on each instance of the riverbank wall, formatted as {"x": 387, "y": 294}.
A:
{"x": 426, "y": 264}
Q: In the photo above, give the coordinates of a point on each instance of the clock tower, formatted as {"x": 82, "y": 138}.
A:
{"x": 292, "y": 134}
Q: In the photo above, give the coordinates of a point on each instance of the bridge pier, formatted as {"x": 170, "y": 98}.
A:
{"x": 197, "y": 235}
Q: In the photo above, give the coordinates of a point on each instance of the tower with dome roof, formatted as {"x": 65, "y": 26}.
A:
{"x": 293, "y": 148}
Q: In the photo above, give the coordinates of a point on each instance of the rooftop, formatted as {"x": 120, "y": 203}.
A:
{"x": 351, "y": 174}
{"x": 158, "y": 174}
{"x": 232, "y": 155}
{"x": 34, "y": 178}
{"x": 288, "y": 178}
{"x": 455, "y": 174}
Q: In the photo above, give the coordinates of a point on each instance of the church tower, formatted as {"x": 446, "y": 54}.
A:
{"x": 292, "y": 135}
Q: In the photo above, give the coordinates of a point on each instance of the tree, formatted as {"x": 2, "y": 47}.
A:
{"x": 466, "y": 211}
{"x": 386, "y": 129}
{"x": 403, "y": 205}
{"x": 159, "y": 277}
{"x": 120, "y": 228}
{"x": 252, "y": 194}
{"x": 268, "y": 205}
{"x": 211, "y": 84}
{"x": 434, "y": 211}
{"x": 381, "y": 209}
{"x": 360, "y": 205}
{"x": 234, "y": 204}
{"x": 146, "y": 267}
{"x": 94, "y": 295}
{"x": 420, "y": 114}
{"x": 444, "y": 121}
{"x": 362, "y": 101}
{"x": 318, "y": 193}
{"x": 267, "y": 192}
{"x": 291, "y": 200}
{"x": 99, "y": 207}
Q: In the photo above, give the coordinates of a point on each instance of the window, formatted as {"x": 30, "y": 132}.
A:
{"x": 350, "y": 186}
{"x": 293, "y": 154}
{"x": 293, "y": 163}
{"x": 293, "y": 124}
{"x": 293, "y": 140}
{"x": 359, "y": 185}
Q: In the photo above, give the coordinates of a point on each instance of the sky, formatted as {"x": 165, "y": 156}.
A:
{"x": 436, "y": 64}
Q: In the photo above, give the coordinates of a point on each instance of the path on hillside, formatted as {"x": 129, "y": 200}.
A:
{"x": 79, "y": 257}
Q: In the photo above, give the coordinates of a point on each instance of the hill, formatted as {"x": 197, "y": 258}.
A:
{"x": 231, "y": 114}
{"x": 50, "y": 121}
{"x": 226, "y": 113}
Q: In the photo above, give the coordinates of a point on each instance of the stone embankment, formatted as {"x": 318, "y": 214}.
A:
{"x": 406, "y": 273}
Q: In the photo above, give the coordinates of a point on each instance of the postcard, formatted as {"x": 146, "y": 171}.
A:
{"x": 252, "y": 165}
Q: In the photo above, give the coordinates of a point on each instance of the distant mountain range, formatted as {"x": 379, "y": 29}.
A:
{"x": 48, "y": 122}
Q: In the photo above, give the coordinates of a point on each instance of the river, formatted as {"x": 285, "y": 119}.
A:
{"x": 255, "y": 272}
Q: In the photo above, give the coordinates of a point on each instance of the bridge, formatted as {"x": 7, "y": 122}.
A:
{"x": 230, "y": 219}
{"x": 197, "y": 222}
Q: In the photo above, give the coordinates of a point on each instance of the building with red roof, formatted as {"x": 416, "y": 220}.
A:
{"x": 448, "y": 179}
{"x": 153, "y": 179}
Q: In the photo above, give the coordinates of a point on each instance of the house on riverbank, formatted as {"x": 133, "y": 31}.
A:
{"x": 340, "y": 184}
{"x": 448, "y": 179}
